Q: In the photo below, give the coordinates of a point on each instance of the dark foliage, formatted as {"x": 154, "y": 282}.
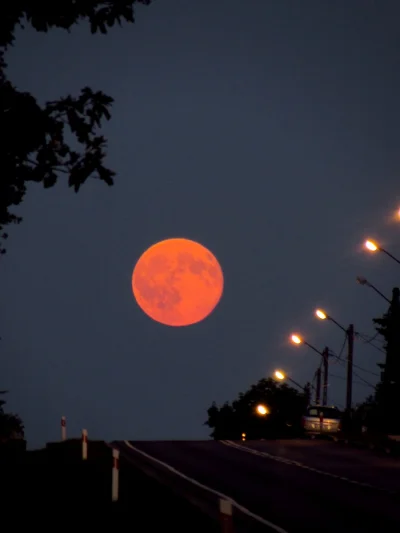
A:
{"x": 380, "y": 411}
{"x": 37, "y": 145}
{"x": 11, "y": 426}
{"x": 286, "y": 406}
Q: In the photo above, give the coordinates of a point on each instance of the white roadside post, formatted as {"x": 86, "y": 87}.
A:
{"x": 63, "y": 428}
{"x": 84, "y": 444}
{"x": 225, "y": 510}
{"x": 115, "y": 476}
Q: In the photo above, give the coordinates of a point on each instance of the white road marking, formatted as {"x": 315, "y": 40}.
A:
{"x": 280, "y": 459}
{"x": 212, "y": 491}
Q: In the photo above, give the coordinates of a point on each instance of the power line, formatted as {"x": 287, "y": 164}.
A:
{"x": 360, "y": 377}
{"x": 339, "y": 359}
{"x": 339, "y": 356}
{"x": 343, "y": 347}
{"x": 368, "y": 340}
{"x": 355, "y": 382}
{"x": 367, "y": 371}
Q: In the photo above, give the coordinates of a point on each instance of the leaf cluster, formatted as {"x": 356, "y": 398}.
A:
{"x": 41, "y": 143}
{"x": 11, "y": 425}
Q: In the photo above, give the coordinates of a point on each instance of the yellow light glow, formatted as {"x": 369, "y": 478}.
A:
{"x": 243, "y": 434}
{"x": 320, "y": 314}
{"x": 371, "y": 246}
{"x": 279, "y": 375}
{"x": 262, "y": 410}
{"x": 296, "y": 339}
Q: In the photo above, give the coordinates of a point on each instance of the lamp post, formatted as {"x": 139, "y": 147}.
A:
{"x": 280, "y": 375}
{"x": 296, "y": 339}
{"x": 350, "y": 353}
{"x": 366, "y": 283}
{"x": 374, "y": 247}
{"x": 262, "y": 410}
{"x": 318, "y": 389}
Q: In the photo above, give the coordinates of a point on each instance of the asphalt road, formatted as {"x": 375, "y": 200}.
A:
{"x": 364, "y": 466}
{"x": 296, "y": 485}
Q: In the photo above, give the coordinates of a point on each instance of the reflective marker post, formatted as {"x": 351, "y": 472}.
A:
{"x": 115, "y": 476}
{"x": 63, "y": 428}
{"x": 225, "y": 510}
{"x": 84, "y": 444}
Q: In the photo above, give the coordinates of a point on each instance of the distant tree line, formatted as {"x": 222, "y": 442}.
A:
{"x": 285, "y": 407}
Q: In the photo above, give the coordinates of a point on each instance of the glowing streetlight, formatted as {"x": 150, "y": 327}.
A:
{"x": 349, "y": 332}
{"x": 320, "y": 314}
{"x": 296, "y": 339}
{"x": 371, "y": 246}
{"x": 262, "y": 410}
{"x": 374, "y": 247}
{"x": 279, "y": 375}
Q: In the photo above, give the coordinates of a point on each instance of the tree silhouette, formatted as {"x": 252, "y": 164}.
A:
{"x": 11, "y": 426}
{"x": 37, "y": 145}
{"x": 286, "y": 406}
{"x": 387, "y": 395}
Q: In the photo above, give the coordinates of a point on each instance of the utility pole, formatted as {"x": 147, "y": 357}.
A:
{"x": 318, "y": 387}
{"x": 307, "y": 392}
{"x": 350, "y": 347}
{"x": 325, "y": 356}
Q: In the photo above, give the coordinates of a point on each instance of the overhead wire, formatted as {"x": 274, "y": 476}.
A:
{"x": 355, "y": 382}
{"x": 340, "y": 359}
{"x": 358, "y": 376}
{"x": 367, "y": 340}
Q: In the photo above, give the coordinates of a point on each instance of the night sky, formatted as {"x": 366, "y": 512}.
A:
{"x": 265, "y": 130}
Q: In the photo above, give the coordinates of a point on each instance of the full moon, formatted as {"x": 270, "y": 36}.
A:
{"x": 177, "y": 282}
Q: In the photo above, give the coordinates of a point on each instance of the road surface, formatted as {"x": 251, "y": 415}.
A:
{"x": 298, "y": 486}
{"x": 364, "y": 466}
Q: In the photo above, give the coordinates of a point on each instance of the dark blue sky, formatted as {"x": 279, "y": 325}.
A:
{"x": 267, "y": 131}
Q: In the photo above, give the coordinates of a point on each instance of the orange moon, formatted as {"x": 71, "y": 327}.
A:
{"x": 177, "y": 282}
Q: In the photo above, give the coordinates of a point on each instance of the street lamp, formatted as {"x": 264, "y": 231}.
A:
{"x": 350, "y": 351}
{"x": 319, "y": 313}
{"x": 282, "y": 376}
{"x": 363, "y": 281}
{"x": 262, "y": 409}
{"x": 374, "y": 247}
{"x": 279, "y": 375}
{"x": 297, "y": 339}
